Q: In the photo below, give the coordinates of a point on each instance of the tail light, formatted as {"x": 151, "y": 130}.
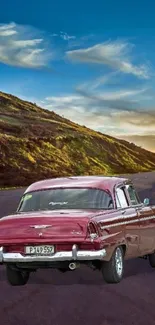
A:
{"x": 92, "y": 231}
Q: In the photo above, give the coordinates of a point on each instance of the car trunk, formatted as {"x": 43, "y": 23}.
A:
{"x": 40, "y": 227}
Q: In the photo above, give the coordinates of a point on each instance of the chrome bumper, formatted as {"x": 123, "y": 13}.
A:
{"x": 75, "y": 255}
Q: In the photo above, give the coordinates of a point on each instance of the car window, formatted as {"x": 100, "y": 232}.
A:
{"x": 66, "y": 198}
{"x": 133, "y": 195}
{"x": 121, "y": 200}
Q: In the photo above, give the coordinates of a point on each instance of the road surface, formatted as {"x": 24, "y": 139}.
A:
{"x": 80, "y": 297}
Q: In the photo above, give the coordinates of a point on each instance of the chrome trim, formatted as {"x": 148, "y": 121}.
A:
{"x": 41, "y": 226}
{"x": 125, "y": 222}
{"x": 75, "y": 254}
{"x": 1, "y": 254}
{"x": 72, "y": 266}
{"x": 93, "y": 235}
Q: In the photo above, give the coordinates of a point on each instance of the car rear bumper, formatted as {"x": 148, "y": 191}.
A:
{"x": 74, "y": 254}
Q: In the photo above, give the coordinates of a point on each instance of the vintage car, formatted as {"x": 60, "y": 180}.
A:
{"x": 64, "y": 223}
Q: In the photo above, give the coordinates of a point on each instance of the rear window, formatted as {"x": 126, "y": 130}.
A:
{"x": 66, "y": 198}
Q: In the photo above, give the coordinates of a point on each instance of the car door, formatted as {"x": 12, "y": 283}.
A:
{"x": 130, "y": 221}
{"x": 146, "y": 221}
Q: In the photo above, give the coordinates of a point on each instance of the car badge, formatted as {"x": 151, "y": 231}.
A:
{"x": 41, "y": 226}
{"x": 74, "y": 232}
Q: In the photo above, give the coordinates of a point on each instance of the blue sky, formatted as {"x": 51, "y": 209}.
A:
{"x": 92, "y": 62}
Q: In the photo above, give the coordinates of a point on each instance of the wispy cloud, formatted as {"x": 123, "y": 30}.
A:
{"x": 113, "y": 54}
{"x": 78, "y": 42}
{"x": 106, "y": 79}
{"x": 107, "y": 101}
{"x": 117, "y": 109}
{"x": 19, "y": 47}
{"x": 64, "y": 36}
{"x": 8, "y": 29}
{"x": 112, "y": 110}
{"x": 136, "y": 127}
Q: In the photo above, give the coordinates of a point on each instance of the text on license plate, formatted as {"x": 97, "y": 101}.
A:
{"x": 39, "y": 250}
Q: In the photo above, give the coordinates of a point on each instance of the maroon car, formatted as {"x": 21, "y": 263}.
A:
{"x": 64, "y": 223}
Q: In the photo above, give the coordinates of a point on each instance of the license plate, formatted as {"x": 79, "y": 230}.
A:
{"x": 39, "y": 250}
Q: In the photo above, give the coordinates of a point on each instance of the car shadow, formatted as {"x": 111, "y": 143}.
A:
{"x": 85, "y": 276}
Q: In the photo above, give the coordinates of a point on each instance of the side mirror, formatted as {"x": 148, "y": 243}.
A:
{"x": 146, "y": 201}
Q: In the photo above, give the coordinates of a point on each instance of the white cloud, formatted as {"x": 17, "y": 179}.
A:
{"x": 118, "y": 94}
{"x": 26, "y": 43}
{"x": 77, "y": 42}
{"x": 115, "y": 100}
{"x": 7, "y": 29}
{"x": 7, "y": 26}
{"x": 108, "y": 112}
{"x": 7, "y": 32}
{"x": 64, "y": 36}
{"x": 113, "y": 54}
{"x": 87, "y": 88}
{"x": 19, "y": 47}
{"x": 100, "y": 81}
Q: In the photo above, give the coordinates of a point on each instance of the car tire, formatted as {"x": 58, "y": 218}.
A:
{"x": 113, "y": 270}
{"x": 152, "y": 260}
{"x": 15, "y": 277}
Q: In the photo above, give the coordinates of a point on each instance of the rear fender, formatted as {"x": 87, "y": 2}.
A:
{"x": 112, "y": 237}
{"x": 110, "y": 250}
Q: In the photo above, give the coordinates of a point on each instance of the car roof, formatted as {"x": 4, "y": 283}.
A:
{"x": 101, "y": 182}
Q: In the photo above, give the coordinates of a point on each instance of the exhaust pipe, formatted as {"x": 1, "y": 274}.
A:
{"x": 72, "y": 266}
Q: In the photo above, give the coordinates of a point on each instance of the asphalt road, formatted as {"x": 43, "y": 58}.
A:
{"x": 80, "y": 297}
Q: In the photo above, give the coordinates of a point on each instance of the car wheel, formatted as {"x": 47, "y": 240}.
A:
{"x": 16, "y": 278}
{"x": 152, "y": 259}
{"x": 113, "y": 270}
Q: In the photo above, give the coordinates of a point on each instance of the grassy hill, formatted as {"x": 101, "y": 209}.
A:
{"x": 36, "y": 144}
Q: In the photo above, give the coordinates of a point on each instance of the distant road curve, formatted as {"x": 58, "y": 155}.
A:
{"x": 81, "y": 297}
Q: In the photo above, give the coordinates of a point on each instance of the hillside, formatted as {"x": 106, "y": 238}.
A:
{"x": 37, "y": 144}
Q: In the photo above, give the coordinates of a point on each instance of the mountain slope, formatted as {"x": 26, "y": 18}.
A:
{"x": 37, "y": 144}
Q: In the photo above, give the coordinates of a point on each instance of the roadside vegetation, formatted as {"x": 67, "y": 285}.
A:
{"x": 36, "y": 144}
